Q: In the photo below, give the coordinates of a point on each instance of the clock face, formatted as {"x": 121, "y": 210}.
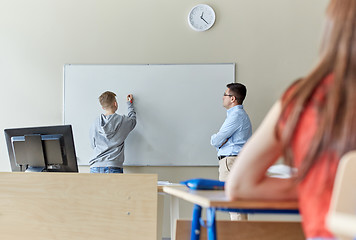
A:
{"x": 201, "y": 17}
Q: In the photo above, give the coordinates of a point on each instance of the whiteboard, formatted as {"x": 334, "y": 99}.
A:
{"x": 178, "y": 108}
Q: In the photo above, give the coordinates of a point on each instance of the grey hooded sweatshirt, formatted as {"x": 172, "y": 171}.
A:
{"x": 107, "y": 138}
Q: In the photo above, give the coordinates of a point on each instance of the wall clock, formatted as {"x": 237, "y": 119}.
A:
{"x": 201, "y": 17}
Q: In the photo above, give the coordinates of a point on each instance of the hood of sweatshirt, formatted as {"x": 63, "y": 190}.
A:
{"x": 109, "y": 125}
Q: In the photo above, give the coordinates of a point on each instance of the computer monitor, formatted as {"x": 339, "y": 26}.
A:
{"x": 37, "y": 149}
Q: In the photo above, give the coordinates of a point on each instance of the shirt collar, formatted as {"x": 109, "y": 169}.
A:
{"x": 235, "y": 108}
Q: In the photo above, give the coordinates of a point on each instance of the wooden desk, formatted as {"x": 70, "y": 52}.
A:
{"x": 78, "y": 206}
{"x": 216, "y": 200}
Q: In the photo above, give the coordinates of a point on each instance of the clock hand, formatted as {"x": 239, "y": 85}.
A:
{"x": 203, "y": 19}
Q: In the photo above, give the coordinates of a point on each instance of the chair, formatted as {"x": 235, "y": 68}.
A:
{"x": 341, "y": 219}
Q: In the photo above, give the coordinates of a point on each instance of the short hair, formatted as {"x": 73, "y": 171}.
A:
{"x": 238, "y": 90}
{"x": 107, "y": 99}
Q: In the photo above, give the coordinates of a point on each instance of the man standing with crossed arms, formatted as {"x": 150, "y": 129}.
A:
{"x": 234, "y": 132}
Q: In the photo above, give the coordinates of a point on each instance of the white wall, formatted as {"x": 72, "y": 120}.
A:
{"x": 272, "y": 42}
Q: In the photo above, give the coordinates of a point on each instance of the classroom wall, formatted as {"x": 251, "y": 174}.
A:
{"x": 272, "y": 42}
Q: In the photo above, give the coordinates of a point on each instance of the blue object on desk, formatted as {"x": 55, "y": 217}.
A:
{"x": 204, "y": 184}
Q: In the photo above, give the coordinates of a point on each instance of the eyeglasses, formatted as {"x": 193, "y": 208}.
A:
{"x": 228, "y": 95}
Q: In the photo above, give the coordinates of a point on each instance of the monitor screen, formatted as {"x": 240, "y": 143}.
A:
{"x": 49, "y": 149}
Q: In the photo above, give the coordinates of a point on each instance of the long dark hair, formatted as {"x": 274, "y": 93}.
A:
{"x": 336, "y": 130}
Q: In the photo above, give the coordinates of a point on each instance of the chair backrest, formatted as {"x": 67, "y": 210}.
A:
{"x": 78, "y": 206}
{"x": 341, "y": 219}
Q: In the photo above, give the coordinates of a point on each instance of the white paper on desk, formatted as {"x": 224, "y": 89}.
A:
{"x": 163, "y": 183}
{"x": 281, "y": 171}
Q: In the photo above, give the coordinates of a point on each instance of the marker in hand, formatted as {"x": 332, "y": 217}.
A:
{"x": 129, "y": 98}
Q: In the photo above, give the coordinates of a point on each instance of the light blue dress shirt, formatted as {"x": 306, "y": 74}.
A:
{"x": 236, "y": 128}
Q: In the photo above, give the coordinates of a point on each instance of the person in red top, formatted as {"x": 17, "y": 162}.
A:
{"x": 311, "y": 126}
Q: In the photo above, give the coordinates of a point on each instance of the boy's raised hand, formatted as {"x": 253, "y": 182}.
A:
{"x": 130, "y": 98}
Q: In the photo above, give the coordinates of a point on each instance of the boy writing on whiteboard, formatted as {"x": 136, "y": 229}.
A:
{"x": 108, "y": 134}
